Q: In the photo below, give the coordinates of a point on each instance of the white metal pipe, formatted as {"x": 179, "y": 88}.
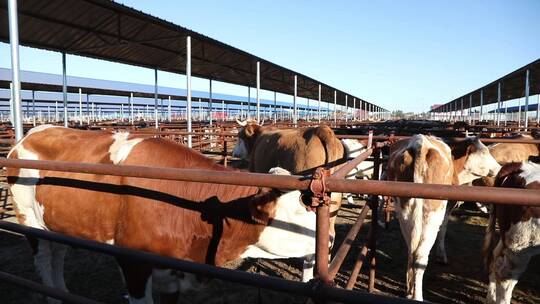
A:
{"x": 33, "y": 109}
{"x": 156, "y": 98}
{"x": 131, "y": 118}
{"x": 295, "y": 114}
{"x": 249, "y": 103}
{"x": 354, "y": 109}
{"x": 470, "y": 109}
{"x": 461, "y": 114}
{"x": 275, "y": 107}
{"x": 169, "y": 110}
{"x": 498, "y": 104}
{"x": 258, "y": 92}
{"x": 526, "y": 100}
{"x": 188, "y": 87}
{"x": 319, "y": 115}
{"x": 210, "y": 107}
{"x": 346, "y": 108}
{"x": 80, "y": 107}
{"x": 335, "y": 106}
{"x": 481, "y": 105}
{"x": 64, "y": 89}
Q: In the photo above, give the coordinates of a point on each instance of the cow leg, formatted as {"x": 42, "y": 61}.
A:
{"x": 492, "y": 287}
{"x": 138, "y": 280}
{"x": 431, "y": 226}
{"x": 507, "y": 268}
{"x": 441, "y": 236}
{"x": 307, "y": 270}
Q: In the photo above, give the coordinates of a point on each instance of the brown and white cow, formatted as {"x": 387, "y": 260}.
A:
{"x": 519, "y": 230}
{"x": 428, "y": 160}
{"x": 299, "y": 151}
{"x": 200, "y": 222}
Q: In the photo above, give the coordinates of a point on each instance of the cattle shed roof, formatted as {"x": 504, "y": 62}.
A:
{"x": 111, "y": 31}
{"x": 512, "y": 87}
{"x": 46, "y": 82}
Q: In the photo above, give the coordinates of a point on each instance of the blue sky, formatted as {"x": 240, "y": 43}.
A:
{"x": 400, "y": 55}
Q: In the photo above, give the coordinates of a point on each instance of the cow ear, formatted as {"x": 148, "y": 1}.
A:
{"x": 506, "y": 171}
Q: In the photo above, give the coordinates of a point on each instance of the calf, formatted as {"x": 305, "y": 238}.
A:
{"x": 200, "y": 222}
{"x": 519, "y": 230}
{"x": 428, "y": 160}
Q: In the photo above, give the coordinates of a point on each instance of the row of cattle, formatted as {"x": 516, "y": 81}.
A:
{"x": 215, "y": 224}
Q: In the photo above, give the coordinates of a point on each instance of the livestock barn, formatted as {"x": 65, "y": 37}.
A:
{"x": 117, "y": 191}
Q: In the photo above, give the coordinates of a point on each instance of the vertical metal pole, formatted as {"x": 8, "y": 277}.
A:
{"x": 210, "y": 107}
{"x": 131, "y": 118}
{"x": 169, "y": 110}
{"x": 354, "y": 109}
{"x": 80, "y": 107}
{"x": 461, "y": 114}
{"x": 64, "y": 89}
{"x": 538, "y": 111}
{"x": 335, "y": 106}
{"x": 249, "y": 104}
{"x": 33, "y": 109}
{"x": 223, "y": 112}
{"x": 481, "y": 105}
{"x": 188, "y": 88}
{"x": 156, "y": 98}
{"x": 56, "y": 116}
{"x": 526, "y": 100}
{"x": 498, "y": 104}
{"x": 519, "y": 112}
{"x": 319, "y": 104}
{"x": 307, "y": 116}
{"x": 275, "y": 107}
{"x": 295, "y": 111}
{"x": 258, "y": 91}
{"x": 470, "y": 109}
{"x": 346, "y": 108}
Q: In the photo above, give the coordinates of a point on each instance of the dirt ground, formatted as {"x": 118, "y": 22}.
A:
{"x": 463, "y": 281}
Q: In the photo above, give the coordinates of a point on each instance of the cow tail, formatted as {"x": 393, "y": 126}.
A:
{"x": 489, "y": 238}
{"x": 417, "y": 217}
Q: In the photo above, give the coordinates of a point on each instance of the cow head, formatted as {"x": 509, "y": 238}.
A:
{"x": 246, "y": 139}
{"x": 472, "y": 160}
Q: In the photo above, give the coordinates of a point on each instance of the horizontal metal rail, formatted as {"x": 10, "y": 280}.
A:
{"x": 56, "y": 293}
{"x": 318, "y": 291}
{"x": 484, "y": 140}
{"x": 389, "y": 188}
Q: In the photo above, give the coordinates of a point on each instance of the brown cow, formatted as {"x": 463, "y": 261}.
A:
{"x": 200, "y": 222}
{"x": 428, "y": 160}
{"x": 519, "y": 230}
{"x": 299, "y": 151}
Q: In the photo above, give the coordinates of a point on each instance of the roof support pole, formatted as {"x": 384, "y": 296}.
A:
{"x": 498, "y": 104}
{"x": 538, "y": 111}
{"x": 481, "y": 105}
{"x": 526, "y": 100}
{"x": 223, "y": 112}
{"x": 188, "y": 88}
{"x": 131, "y": 118}
{"x": 80, "y": 107}
{"x": 249, "y": 103}
{"x": 258, "y": 92}
{"x": 156, "y": 98}
{"x": 346, "y": 108}
{"x": 319, "y": 106}
{"x": 210, "y": 108}
{"x": 295, "y": 109}
{"x": 33, "y": 109}
{"x": 15, "y": 69}
{"x": 64, "y": 89}
{"x": 335, "y": 107}
{"x": 354, "y": 109}
{"x": 470, "y": 109}
{"x": 505, "y": 112}
{"x": 519, "y": 112}
{"x": 275, "y": 108}
{"x": 308, "y": 110}
{"x": 461, "y": 114}
{"x": 56, "y": 116}
{"x": 169, "y": 110}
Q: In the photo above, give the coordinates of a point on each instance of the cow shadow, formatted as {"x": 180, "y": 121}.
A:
{"x": 463, "y": 280}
